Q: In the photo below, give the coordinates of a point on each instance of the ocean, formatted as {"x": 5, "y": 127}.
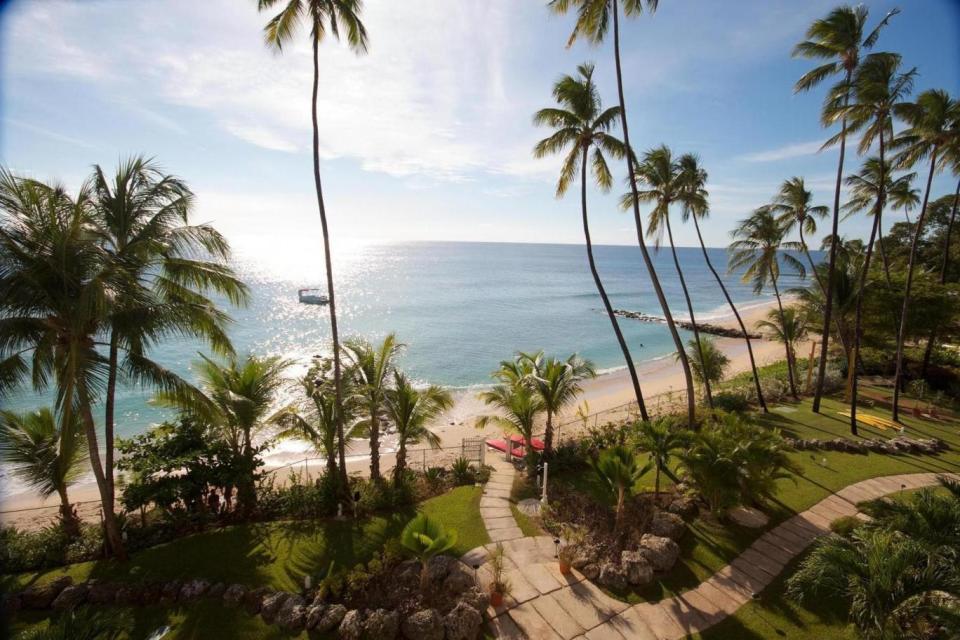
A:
{"x": 459, "y": 307}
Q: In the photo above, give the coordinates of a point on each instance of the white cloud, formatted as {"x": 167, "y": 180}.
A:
{"x": 786, "y": 152}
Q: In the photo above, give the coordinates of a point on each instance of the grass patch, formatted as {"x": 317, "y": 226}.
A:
{"x": 524, "y": 488}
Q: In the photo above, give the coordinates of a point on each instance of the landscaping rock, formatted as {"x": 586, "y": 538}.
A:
{"x": 381, "y": 624}
{"x": 684, "y": 506}
{"x": 476, "y": 598}
{"x": 331, "y": 618}
{"x": 407, "y": 577}
{"x": 667, "y": 525}
{"x": 293, "y": 615}
{"x": 71, "y": 597}
{"x": 314, "y": 613}
{"x": 11, "y": 604}
{"x": 253, "y": 599}
{"x": 271, "y": 606}
{"x": 438, "y": 568}
{"x": 586, "y": 554}
{"x": 150, "y": 594}
{"x": 661, "y": 552}
{"x": 638, "y": 569}
{"x": 613, "y": 575}
{"x": 128, "y": 595}
{"x": 351, "y": 627}
{"x": 42, "y": 596}
{"x": 101, "y": 592}
{"x": 193, "y": 590}
{"x": 170, "y": 591}
{"x": 234, "y": 594}
{"x": 458, "y": 580}
{"x": 463, "y": 623}
{"x": 423, "y": 625}
{"x": 217, "y": 590}
{"x": 591, "y": 571}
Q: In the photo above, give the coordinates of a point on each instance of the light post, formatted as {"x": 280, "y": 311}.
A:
{"x": 543, "y": 497}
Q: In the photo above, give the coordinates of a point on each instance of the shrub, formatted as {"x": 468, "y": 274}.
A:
{"x": 845, "y": 525}
{"x": 731, "y": 402}
{"x": 31, "y": 550}
{"x": 425, "y": 538}
{"x": 568, "y": 457}
{"x": 463, "y": 472}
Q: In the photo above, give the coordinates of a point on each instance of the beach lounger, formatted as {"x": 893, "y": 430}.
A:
{"x": 873, "y": 421}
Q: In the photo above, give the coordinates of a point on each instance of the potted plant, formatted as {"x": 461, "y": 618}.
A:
{"x": 572, "y": 538}
{"x": 499, "y": 586}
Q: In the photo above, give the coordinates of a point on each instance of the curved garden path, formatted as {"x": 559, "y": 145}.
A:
{"x": 546, "y": 605}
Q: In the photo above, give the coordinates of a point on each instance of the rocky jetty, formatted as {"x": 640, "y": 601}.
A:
{"x": 710, "y": 329}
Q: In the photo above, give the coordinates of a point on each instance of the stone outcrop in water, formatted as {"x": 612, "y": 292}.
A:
{"x": 710, "y": 329}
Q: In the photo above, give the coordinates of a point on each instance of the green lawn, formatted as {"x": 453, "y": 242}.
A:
{"x": 275, "y": 554}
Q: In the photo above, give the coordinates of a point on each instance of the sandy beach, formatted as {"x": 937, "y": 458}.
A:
{"x": 602, "y": 394}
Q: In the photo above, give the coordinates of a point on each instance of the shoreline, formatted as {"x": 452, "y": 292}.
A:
{"x": 609, "y": 390}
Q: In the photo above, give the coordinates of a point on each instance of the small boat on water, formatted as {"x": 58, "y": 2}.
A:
{"x": 311, "y": 296}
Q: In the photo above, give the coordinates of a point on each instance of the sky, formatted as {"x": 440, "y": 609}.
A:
{"x": 429, "y": 135}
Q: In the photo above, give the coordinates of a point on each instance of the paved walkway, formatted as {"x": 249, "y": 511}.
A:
{"x": 544, "y": 604}
{"x": 495, "y": 503}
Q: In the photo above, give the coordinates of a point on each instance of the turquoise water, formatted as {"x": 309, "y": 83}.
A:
{"x": 460, "y": 308}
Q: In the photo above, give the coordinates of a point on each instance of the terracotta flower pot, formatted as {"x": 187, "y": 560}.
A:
{"x": 565, "y": 568}
{"x": 496, "y": 598}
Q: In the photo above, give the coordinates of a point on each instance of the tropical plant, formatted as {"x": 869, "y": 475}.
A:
{"x": 931, "y": 517}
{"x": 558, "y": 383}
{"x": 235, "y": 400}
{"x": 664, "y": 180}
{"x": 794, "y": 209}
{"x": 755, "y": 248}
{"x": 85, "y": 623}
{"x": 45, "y": 453}
{"x": 322, "y": 17}
{"x": 707, "y": 361}
{"x": 594, "y": 18}
{"x": 839, "y": 38}
{"x": 518, "y": 406}
{"x": 709, "y": 464}
{"x": 498, "y": 584}
{"x": 660, "y": 439}
{"x": 788, "y": 327}
{"x": 142, "y": 216}
{"x": 618, "y": 470}
{"x": 411, "y": 410}
{"x": 695, "y": 180}
{"x": 760, "y": 455}
{"x": 425, "y": 538}
{"x": 371, "y": 368}
{"x": 931, "y": 127}
{"x": 889, "y": 582}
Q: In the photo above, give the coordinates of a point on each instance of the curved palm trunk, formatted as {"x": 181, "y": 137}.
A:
{"x": 681, "y": 353}
{"x": 70, "y": 525}
{"x": 337, "y": 382}
{"x": 838, "y": 321}
{"x": 634, "y": 380}
{"x": 901, "y": 335}
{"x": 786, "y": 341}
{"x": 693, "y": 319}
{"x": 928, "y": 352}
{"x": 108, "y": 413}
{"x": 828, "y": 303}
{"x": 743, "y": 328}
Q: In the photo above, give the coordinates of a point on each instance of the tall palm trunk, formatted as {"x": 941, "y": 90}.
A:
{"x": 374, "y": 445}
{"x": 110, "y": 404}
{"x": 401, "y": 462}
{"x": 838, "y": 321}
{"x": 831, "y": 270}
{"x": 69, "y": 522}
{"x": 337, "y": 382}
{"x": 883, "y": 254}
{"x": 786, "y": 338}
{"x": 861, "y": 293}
{"x": 902, "y": 334}
{"x": 743, "y": 328}
{"x": 681, "y": 353}
{"x": 548, "y": 434}
{"x": 693, "y": 319}
{"x": 603, "y": 292}
{"x": 928, "y": 352}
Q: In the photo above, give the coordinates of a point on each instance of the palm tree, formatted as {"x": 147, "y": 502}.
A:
{"x": 594, "y": 17}
{"x": 426, "y": 538}
{"x": 411, "y": 410}
{"x": 580, "y": 122}
{"x": 665, "y": 180}
{"x": 519, "y": 406}
{"x": 696, "y": 206}
{"x": 558, "y": 383}
{"x": 371, "y": 368}
{"x": 322, "y": 16}
{"x": 618, "y": 469}
{"x": 142, "y": 215}
{"x": 235, "y": 399}
{"x": 839, "y": 38}
{"x": 757, "y": 242}
{"x": 47, "y": 454}
{"x": 56, "y": 293}
{"x": 707, "y": 361}
{"x": 793, "y": 208}
{"x": 788, "y": 327}
{"x": 931, "y": 127}
{"x": 660, "y": 439}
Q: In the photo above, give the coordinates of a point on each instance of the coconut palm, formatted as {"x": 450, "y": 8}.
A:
{"x": 558, "y": 383}
{"x": 411, "y": 410}
{"x": 794, "y": 209}
{"x": 47, "y": 454}
{"x": 322, "y": 17}
{"x": 707, "y": 361}
{"x": 664, "y": 180}
{"x": 757, "y": 242}
{"x": 696, "y": 206}
{"x": 56, "y": 292}
{"x": 426, "y": 538}
{"x": 660, "y": 439}
{"x": 235, "y": 399}
{"x": 594, "y": 17}
{"x": 143, "y": 220}
{"x": 371, "y": 368}
{"x": 518, "y": 405}
{"x": 788, "y": 327}
{"x": 581, "y": 123}
{"x": 839, "y": 38}
{"x": 618, "y": 470}
{"x": 931, "y": 127}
